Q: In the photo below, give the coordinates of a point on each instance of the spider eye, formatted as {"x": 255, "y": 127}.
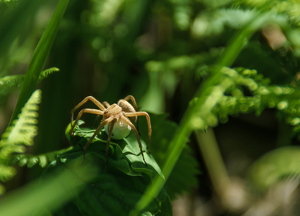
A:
{"x": 105, "y": 112}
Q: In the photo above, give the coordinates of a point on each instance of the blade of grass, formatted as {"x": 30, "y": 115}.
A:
{"x": 37, "y": 198}
{"x": 39, "y": 57}
{"x": 186, "y": 127}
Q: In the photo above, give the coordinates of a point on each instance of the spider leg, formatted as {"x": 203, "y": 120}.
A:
{"x": 92, "y": 111}
{"x": 91, "y": 98}
{"x": 130, "y": 97}
{"x": 110, "y": 129}
{"x": 132, "y": 114}
{"x": 106, "y": 104}
{"x": 103, "y": 123}
{"x": 127, "y": 121}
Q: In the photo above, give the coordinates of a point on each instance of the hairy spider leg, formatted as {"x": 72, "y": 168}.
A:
{"x": 110, "y": 129}
{"x": 148, "y": 121}
{"x": 130, "y": 97}
{"x": 92, "y": 111}
{"x": 103, "y": 123}
{"x": 91, "y": 98}
{"x": 105, "y": 103}
{"x": 127, "y": 121}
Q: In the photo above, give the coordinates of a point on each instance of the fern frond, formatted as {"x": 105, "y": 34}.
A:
{"x": 290, "y": 8}
{"x": 24, "y": 129}
{"x": 227, "y": 98}
{"x": 43, "y": 159}
{"x": 6, "y": 173}
{"x": 11, "y": 83}
{"x": 214, "y": 23}
{"x": 47, "y": 72}
{"x": 21, "y": 132}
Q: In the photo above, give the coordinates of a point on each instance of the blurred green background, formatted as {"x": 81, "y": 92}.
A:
{"x": 159, "y": 51}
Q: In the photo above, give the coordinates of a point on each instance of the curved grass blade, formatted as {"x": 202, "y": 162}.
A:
{"x": 39, "y": 57}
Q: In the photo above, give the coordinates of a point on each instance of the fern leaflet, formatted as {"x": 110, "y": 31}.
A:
{"x": 20, "y": 133}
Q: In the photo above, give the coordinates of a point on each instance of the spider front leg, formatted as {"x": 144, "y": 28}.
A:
{"x": 92, "y": 111}
{"x": 132, "y": 114}
{"x": 127, "y": 121}
{"x": 91, "y": 98}
{"x": 130, "y": 97}
{"x": 105, "y": 103}
{"x": 103, "y": 123}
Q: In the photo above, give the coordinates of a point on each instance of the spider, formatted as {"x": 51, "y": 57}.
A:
{"x": 118, "y": 120}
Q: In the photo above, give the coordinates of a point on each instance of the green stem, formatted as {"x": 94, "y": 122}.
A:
{"x": 39, "y": 58}
{"x": 213, "y": 161}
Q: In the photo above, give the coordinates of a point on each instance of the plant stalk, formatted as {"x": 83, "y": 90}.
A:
{"x": 39, "y": 58}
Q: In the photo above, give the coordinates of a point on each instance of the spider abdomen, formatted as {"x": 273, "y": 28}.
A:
{"x": 120, "y": 130}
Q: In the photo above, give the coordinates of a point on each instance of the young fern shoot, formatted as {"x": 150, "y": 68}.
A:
{"x": 118, "y": 120}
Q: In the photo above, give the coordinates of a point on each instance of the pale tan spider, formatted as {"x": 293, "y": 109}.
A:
{"x": 118, "y": 118}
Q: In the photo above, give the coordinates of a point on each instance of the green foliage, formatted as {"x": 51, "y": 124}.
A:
{"x": 127, "y": 156}
{"x": 161, "y": 52}
{"x": 126, "y": 173}
{"x": 21, "y": 132}
{"x": 11, "y": 83}
{"x": 42, "y": 160}
{"x": 274, "y": 166}
{"x": 51, "y": 193}
{"x": 290, "y": 8}
{"x": 183, "y": 176}
{"x": 213, "y": 23}
{"x": 8, "y": 2}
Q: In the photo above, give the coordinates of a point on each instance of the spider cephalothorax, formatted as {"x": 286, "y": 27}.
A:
{"x": 118, "y": 119}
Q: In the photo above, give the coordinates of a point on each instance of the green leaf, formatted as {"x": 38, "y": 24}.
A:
{"x": 111, "y": 192}
{"x": 274, "y": 166}
{"x": 126, "y": 152}
{"x": 126, "y": 172}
